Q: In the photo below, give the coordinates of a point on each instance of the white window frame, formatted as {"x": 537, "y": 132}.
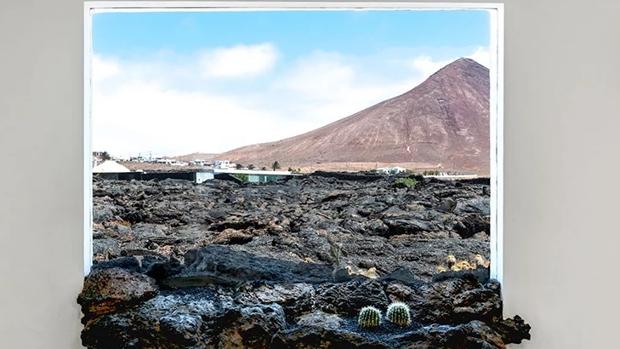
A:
{"x": 496, "y": 11}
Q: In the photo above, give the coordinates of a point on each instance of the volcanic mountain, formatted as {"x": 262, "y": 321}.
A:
{"x": 443, "y": 123}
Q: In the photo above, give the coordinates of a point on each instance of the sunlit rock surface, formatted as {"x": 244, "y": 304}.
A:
{"x": 361, "y": 223}
{"x": 289, "y": 265}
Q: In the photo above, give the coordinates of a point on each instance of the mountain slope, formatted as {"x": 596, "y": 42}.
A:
{"x": 441, "y": 123}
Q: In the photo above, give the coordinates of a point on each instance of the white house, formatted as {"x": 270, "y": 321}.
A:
{"x": 223, "y": 164}
{"x": 110, "y": 166}
{"x": 391, "y": 170}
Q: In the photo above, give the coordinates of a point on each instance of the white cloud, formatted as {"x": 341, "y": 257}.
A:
{"x": 482, "y": 56}
{"x": 426, "y": 65}
{"x": 238, "y": 61}
{"x": 321, "y": 76}
{"x": 327, "y": 87}
{"x": 165, "y": 107}
{"x": 103, "y": 69}
{"x": 141, "y": 117}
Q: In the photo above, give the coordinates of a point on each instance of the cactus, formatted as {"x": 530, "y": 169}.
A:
{"x": 398, "y": 313}
{"x": 369, "y": 317}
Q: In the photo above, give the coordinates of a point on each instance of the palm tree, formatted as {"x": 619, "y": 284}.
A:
{"x": 276, "y": 165}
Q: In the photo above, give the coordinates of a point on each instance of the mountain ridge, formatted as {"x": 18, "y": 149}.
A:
{"x": 442, "y": 123}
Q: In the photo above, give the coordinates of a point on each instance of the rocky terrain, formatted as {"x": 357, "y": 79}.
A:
{"x": 443, "y": 123}
{"x": 289, "y": 264}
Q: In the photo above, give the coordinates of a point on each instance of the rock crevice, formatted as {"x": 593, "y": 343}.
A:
{"x": 290, "y": 265}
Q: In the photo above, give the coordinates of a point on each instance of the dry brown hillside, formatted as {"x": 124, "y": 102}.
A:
{"x": 441, "y": 123}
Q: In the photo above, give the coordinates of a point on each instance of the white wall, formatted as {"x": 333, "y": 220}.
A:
{"x": 40, "y": 173}
{"x": 561, "y": 131}
{"x": 562, "y": 150}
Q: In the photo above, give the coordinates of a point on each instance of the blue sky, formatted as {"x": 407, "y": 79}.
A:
{"x": 175, "y": 83}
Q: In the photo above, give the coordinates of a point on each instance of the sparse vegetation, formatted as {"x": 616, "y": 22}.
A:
{"x": 251, "y": 167}
{"x": 454, "y": 264}
{"x": 239, "y": 166}
{"x": 369, "y": 317}
{"x": 406, "y": 182}
{"x": 241, "y": 176}
{"x": 398, "y": 313}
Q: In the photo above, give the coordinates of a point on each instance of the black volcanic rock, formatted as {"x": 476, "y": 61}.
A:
{"x": 456, "y": 313}
{"x": 289, "y": 265}
{"x": 348, "y": 298}
{"x": 222, "y": 265}
{"x": 302, "y": 220}
{"x": 110, "y": 290}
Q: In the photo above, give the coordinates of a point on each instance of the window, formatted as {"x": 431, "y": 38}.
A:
{"x": 363, "y": 139}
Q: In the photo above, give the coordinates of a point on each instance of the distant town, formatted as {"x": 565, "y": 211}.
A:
{"x": 199, "y": 170}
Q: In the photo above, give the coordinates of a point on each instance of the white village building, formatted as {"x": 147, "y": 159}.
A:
{"x": 110, "y": 166}
{"x": 391, "y": 170}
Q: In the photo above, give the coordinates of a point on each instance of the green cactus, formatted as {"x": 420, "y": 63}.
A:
{"x": 369, "y": 317}
{"x": 398, "y": 313}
